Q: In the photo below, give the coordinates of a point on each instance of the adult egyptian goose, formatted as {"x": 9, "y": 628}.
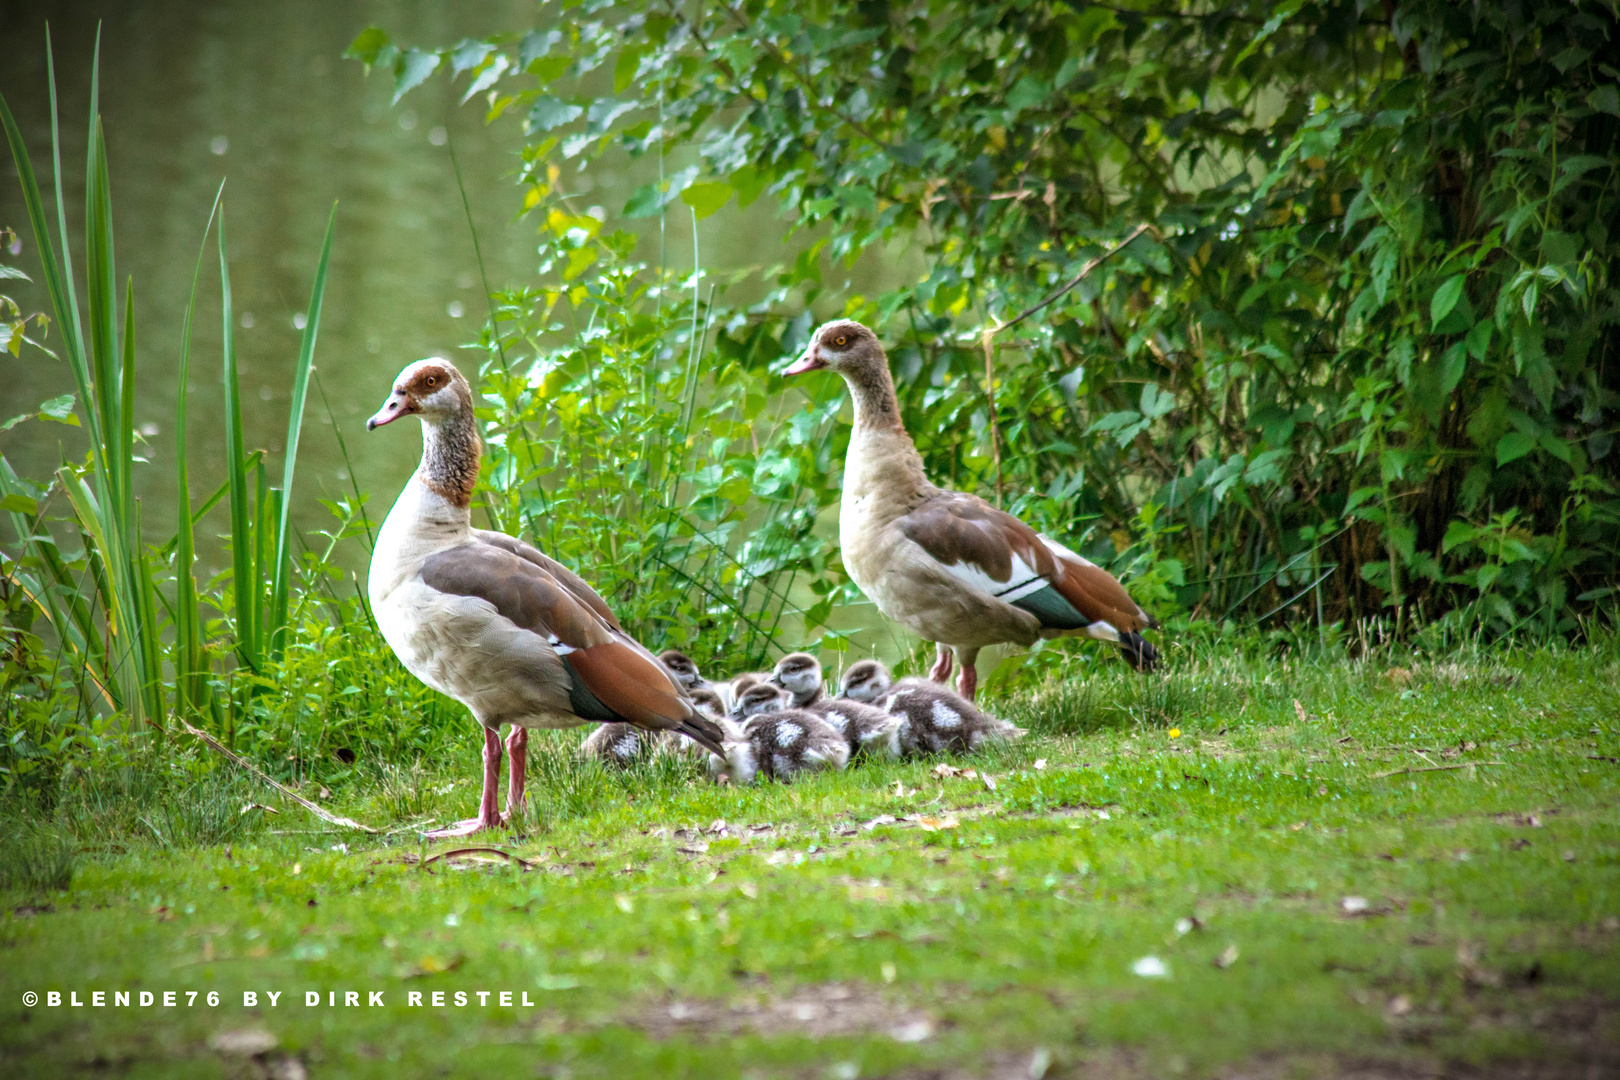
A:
{"x": 865, "y": 727}
{"x": 489, "y": 620}
{"x": 944, "y": 564}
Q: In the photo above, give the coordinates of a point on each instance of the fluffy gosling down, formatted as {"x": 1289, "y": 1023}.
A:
{"x": 765, "y": 738}
{"x": 935, "y": 720}
{"x": 866, "y": 728}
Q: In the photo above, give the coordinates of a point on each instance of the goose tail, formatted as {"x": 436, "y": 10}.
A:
{"x": 706, "y": 733}
{"x": 1138, "y": 651}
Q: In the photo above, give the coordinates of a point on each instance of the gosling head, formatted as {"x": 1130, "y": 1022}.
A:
{"x": 681, "y": 666}
{"x": 865, "y": 680}
{"x": 800, "y": 675}
{"x": 757, "y": 699}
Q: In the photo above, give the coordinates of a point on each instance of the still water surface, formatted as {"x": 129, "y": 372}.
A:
{"x": 256, "y": 94}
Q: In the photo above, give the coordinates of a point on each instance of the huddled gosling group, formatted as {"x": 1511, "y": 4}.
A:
{"x": 782, "y": 724}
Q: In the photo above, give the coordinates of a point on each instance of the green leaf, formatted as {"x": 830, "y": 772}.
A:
{"x": 468, "y": 55}
{"x": 1555, "y": 446}
{"x": 624, "y": 70}
{"x": 1359, "y": 496}
{"x": 60, "y": 409}
{"x": 1452, "y": 366}
{"x": 706, "y": 198}
{"x": 1445, "y": 297}
{"x": 368, "y": 47}
{"x": 1458, "y": 532}
{"x": 578, "y": 260}
{"x": 549, "y": 113}
{"x": 15, "y": 420}
{"x": 1513, "y": 446}
{"x": 645, "y": 201}
{"x": 1605, "y": 99}
{"x": 1479, "y": 339}
{"x": 16, "y": 502}
{"x": 412, "y": 68}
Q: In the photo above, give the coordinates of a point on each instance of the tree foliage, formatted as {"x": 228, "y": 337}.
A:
{"x": 1361, "y": 363}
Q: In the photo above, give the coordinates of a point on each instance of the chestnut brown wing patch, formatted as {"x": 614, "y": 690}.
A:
{"x": 564, "y": 576}
{"x": 959, "y": 530}
{"x": 520, "y": 591}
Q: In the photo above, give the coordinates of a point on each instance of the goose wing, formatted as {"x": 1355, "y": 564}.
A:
{"x": 613, "y": 677}
{"x": 995, "y": 553}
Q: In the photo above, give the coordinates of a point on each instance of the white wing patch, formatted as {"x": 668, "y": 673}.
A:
{"x": 1023, "y": 581}
{"x": 946, "y": 717}
{"x": 1059, "y": 550}
{"x": 788, "y": 734}
{"x": 559, "y": 646}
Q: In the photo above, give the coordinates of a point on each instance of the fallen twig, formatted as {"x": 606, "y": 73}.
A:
{"x": 1433, "y": 768}
{"x": 525, "y": 863}
{"x": 243, "y": 763}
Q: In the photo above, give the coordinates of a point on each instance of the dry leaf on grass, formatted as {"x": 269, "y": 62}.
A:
{"x": 1226, "y": 957}
{"x": 933, "y": 824}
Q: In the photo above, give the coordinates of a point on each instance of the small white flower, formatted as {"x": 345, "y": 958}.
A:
{"x": 1151, "y": 967}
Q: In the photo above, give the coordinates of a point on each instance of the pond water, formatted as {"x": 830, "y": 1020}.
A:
{"x": 257, "y": 95}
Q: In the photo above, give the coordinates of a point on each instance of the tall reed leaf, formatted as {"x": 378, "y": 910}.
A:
{"x": 243, "y": 574}
{"x": 295, "y": 422}
{"x": 190, "y": 671}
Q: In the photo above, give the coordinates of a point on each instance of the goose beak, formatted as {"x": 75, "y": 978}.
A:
{"x": 395, "y": 407}
{"x": 810, "y": 361}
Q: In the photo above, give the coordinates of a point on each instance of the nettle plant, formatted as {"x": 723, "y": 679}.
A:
{"x": 632, "y": 430}
{"x": 1361, "y": 362}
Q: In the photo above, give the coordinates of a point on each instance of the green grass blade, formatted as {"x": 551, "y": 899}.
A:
{"x": 242, "y": 546}
{"x": 295, "y": 423}
{"x": 190, "y": 669}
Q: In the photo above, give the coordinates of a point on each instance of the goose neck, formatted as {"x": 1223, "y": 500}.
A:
{"x": 450, "y": 454}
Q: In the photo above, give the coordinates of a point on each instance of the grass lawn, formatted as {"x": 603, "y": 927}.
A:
{"x": 1238, "y": 868}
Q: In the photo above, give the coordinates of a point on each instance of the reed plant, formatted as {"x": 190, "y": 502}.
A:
{"x": 128, "y": 615}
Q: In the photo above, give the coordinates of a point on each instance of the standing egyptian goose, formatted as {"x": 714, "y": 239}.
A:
{"x": 489, "y": 620}
{"x": 944, "y": 564}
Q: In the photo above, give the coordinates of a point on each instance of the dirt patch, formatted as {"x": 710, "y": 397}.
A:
{"x": 828, "y": 1009}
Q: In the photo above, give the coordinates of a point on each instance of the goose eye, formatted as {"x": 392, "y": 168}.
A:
{"x": 432, "y": 381}
{"x": 840, "y": 340}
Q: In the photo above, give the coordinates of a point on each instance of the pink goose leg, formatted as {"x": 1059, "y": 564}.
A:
{"x": 517, "y": 767}
{"x": 941, "y": 670}
{"x": 967, "y": 683}
{"x": 488, "y": 817}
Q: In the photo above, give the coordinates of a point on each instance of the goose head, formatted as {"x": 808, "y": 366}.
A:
{"x": 800, "y": 675}
{"x": 866, "y": 680}
{"x": 432, "y": 389}
{"x": 844, "y": 346}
